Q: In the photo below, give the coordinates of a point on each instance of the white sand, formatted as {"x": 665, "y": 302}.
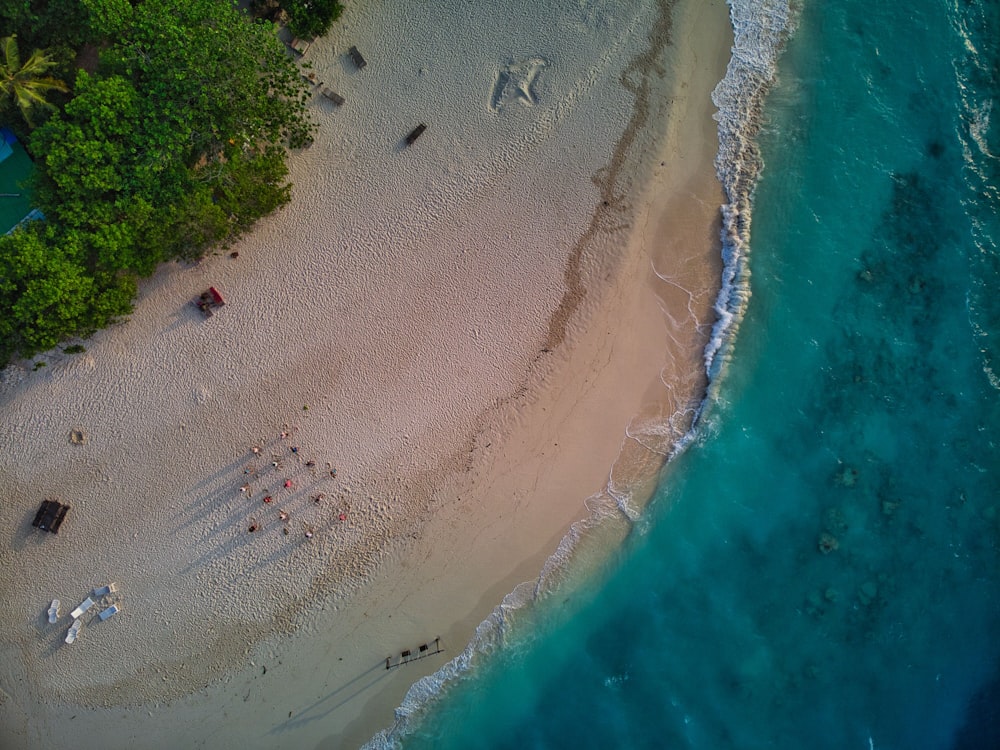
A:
{"x": 470, "y": 391}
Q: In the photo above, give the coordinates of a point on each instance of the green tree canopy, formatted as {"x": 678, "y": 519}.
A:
{"x": 46, "y": 294}
{"x": 177, "y": 142}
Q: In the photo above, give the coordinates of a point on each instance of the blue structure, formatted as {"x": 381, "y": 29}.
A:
{"x": 15, "y": 169}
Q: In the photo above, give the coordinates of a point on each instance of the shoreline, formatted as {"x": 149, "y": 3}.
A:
{"x": 679, "y": 206}
{"x": 470, "y": 530}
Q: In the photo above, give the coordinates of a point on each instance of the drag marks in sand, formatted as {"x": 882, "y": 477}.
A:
{"x": 517, "y": 81}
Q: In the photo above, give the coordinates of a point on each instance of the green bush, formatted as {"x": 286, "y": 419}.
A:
{"x": 311, "y": 18}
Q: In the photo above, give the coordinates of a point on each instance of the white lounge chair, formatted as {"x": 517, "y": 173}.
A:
{"x": 74, "y": 631}
{"x": 54, "y": 611}
{"x": 105, "y": 590}
{"x": 105, "y": 614}
{"x": 87, "y": 604}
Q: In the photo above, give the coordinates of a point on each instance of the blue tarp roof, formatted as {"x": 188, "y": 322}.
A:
{"x": 15, "y": 168}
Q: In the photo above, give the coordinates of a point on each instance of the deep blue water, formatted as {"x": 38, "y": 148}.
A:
{"x": 821, "y": 567}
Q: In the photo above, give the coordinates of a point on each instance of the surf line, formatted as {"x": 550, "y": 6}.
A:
{"x": 423, "y": 651}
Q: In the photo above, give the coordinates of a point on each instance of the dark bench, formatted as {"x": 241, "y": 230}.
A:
{"x": 359, "y": 61}
{"x": 50, "y": 516}
{"x": 415, "y": 133}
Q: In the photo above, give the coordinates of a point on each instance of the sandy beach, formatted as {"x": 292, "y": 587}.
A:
{"x": 433, "y": 362}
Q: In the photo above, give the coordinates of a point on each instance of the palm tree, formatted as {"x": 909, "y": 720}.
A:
{"x": 27, "y": 84}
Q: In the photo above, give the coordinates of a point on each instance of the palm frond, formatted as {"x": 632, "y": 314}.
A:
{"x": 37, "y": 64}
{"x": 11, "y": 58}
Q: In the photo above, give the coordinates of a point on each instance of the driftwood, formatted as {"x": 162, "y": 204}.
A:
{"x": 332, "y": 95}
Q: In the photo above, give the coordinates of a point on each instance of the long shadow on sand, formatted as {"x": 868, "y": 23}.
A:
{"x": 334, "y": 699}
{"x": 226, "y": 513}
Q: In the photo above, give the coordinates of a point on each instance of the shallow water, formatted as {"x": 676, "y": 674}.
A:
{"x": 820, "y": 567}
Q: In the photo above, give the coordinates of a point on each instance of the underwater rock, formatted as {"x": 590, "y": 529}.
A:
{"x": 868, "y": 592}
{"x": 828, "y": 543}
{"x": 846, "y": 477}
{"x": 831, "y": 595}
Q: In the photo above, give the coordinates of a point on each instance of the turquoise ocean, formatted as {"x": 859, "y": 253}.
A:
{"x": 820, "y": 566}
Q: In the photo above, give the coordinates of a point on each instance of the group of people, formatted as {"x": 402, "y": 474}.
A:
{"x": 283, "y": 514}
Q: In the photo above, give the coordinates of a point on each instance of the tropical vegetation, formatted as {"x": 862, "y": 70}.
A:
{"x": 306, "y": 19}
{"x": 171, "y": 140}
{"x": 27, "y": 84}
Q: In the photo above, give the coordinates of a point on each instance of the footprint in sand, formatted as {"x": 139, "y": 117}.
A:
{"x": 517, "y": 81}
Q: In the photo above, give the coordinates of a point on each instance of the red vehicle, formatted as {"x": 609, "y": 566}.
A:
{"x": 209, "y": 301}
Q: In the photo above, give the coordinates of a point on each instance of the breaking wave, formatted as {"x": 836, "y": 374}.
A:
{"x": 760, "y": 30}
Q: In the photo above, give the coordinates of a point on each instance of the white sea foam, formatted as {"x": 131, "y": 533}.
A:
{"x": 489, "y": 636}
{"x": 761, "y": 27}
{"x": 979, "y": 158}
